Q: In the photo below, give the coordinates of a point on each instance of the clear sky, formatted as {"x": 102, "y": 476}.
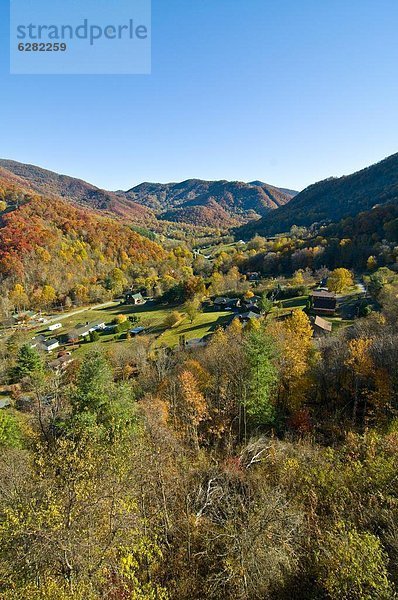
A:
{"x": 286, "y": 91}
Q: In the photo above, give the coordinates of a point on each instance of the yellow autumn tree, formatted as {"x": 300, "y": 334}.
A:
{"x": 371, "y": 263}
{"x": 339, "y": 280}
{"x": 191, "y": 408}
{"x": 48, "y": 295}
{"x": 294, "y": 339}
{"x": 298, "y": 278}
{"x": 360, "y": 364}
{"x": 18, "y": 297}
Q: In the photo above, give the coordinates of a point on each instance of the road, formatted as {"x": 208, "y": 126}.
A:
{"x": 63, "y": 316}
{"x": 360, "y": 286}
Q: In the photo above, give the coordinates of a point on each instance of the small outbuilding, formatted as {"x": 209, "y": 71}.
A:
{"x": 137, "y": 331}
{"x": 321, "y": 327}
{"x": 136, "y": 299}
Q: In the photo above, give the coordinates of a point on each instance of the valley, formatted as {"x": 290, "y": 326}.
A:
{"x": 181, "y": 360}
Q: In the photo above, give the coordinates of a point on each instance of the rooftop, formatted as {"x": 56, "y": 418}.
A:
{"x": 323, "y": 294}
{"x": 323, "y": 324}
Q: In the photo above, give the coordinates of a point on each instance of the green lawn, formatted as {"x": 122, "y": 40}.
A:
{"x": 288, "y": 305}
{"x": 339, "y": 322}
{"x": 215, "y": 249}
{"x": 149, "y": 315}
{"x": 296, "y": 302}
{"x": 204, "y": 323}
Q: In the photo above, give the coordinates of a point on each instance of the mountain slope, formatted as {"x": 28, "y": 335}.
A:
{"x": 196, "y": 202}
{"x": 287, "y": 191}
{"x": 334, "y": 199}
{"x": 201, "y": 202}
{"x": 77, "y": 191}
{"x": 80, "y": 254}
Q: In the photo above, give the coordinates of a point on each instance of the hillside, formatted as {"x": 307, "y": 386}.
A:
{"x": 198, "y": 203}
{"x": 74, "y": 190}
{"x": 333, "y": 199}
{"x": 210, "y": 202}
{"x": 48, "y": 244}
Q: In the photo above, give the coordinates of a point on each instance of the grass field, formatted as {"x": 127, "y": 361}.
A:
{"x": 204, "y": 323}
{"x": 296, "y": 302}
{"x": 151, "y": 316}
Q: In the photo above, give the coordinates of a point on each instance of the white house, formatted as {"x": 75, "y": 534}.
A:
{"x": 50, "y": 345}
{"x": 55, "y": 326}
{"x": 41, "y": 343}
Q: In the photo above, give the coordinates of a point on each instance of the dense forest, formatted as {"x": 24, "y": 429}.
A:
{"x": 211, "y": 202}
{"x": 53, "y": 253}
{"x": 367, "y": 240}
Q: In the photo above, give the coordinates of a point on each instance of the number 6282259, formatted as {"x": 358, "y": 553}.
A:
{"x": 42, "y": 47}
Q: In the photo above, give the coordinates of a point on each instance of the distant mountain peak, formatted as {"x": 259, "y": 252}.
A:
{"x": 221, "y": 203}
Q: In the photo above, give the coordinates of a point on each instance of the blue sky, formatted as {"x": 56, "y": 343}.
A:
{"x": 286, "y": 91}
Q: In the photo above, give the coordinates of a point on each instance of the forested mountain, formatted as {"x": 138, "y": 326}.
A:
{"x": 200, "y": 202}
{"x": 291, "y": 193}
{"x": 334, "y": 199}
{"x": 196, "y": 202}
{"x": 74, "y": 190}
{"x": 258, "y": 464}
{"x": 54, "y": 253}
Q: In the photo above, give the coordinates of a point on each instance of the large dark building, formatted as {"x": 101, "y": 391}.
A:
{"x": 324, "y": 302}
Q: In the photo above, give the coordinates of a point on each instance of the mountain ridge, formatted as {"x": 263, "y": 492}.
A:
{"x": 333, "y": 199}
{"x": 239, "y": 200}
{"x": 79, "y": 192}
{"x": 194, "y": 201}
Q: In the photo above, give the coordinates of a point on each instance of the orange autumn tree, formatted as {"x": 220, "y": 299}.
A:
{"x": 187, "y": 407}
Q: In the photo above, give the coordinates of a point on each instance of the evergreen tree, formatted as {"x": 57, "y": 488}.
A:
{"x": 262, "y": 378}
{"x": 29, "y": 363}
{"x": 94, "y": 385}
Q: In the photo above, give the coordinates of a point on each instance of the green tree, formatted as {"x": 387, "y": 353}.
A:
{"x": 94, "y": 336}
{"x": 10, "y": 432}
{"x": 192, "y": 308}
{"x": 265, "y": 304}
{"x": 260, "y": 352}
{"x": 98, "y": 401}
{"x": 29, "y": 363}
{"x": 94, "y": 383}
{"x": 353, "y": 566}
